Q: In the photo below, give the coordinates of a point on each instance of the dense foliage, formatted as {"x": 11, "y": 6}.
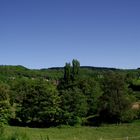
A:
{"x": 72, "y": 95}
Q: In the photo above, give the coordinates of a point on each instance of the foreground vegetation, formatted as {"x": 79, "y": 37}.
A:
{"x": 77, "y": 133}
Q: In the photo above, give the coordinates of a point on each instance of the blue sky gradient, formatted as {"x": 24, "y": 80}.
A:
{"x": 47, "y": 33}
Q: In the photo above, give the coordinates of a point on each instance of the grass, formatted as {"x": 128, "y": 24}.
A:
{"x": 79, "y": 133}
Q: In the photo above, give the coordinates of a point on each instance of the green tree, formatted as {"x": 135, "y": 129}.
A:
{"x": 73, "y": 101}
{"x": 71, "y": 73}
{"x": 115, "y": 99}
{"x": 92, "y": 91}
{"x": 5, "y": 107}
{"x": 37, "y": 103}
{"x": 74, "y": 105}
{"x": 75, "y": 69}
{"x": 67, "y": 73}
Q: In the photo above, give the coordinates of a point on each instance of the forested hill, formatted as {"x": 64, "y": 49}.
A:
{"x": 55, "y": 73}
{"x": 9, "y": 71}
{"x": 86, "y": 67}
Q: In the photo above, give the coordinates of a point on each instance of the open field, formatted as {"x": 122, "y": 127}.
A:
{"x": 81, "y": 133}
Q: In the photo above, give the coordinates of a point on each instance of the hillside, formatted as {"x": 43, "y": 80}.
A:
{"x": 53, "y": 72}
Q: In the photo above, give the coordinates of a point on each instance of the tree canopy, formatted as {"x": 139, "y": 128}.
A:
{"x": 72, "y": 95}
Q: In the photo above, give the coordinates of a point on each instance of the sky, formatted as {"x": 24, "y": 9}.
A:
{"x": 48, "y": 33}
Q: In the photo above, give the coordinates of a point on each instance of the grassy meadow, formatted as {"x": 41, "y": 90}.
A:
{"x": 79, "y": 133}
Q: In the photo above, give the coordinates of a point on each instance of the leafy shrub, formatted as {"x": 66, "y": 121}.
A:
{"x": 128, "y": 116}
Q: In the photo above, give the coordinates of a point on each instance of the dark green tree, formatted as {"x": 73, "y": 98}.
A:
{"x": 75, "y": 69}
{"x": 5, "y": 107}
{"x": 92, "y": 91}
{"x": 114, "y": 100}
{"x": 67, "y": 73}
{"x": 71, "y": 73}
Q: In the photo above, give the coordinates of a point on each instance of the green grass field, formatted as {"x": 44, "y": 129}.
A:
{"x": 80, "y": 133}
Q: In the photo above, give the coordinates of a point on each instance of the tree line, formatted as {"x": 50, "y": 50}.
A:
{"x": 75, "y": 99}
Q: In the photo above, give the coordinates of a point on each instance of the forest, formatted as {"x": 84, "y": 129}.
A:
{"x": 70, "y": 95}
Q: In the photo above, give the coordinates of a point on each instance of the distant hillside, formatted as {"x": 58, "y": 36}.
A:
{"x": 20, "y": 71}
{"x": 85, "y": 67}
{"x": 54, "y": 73}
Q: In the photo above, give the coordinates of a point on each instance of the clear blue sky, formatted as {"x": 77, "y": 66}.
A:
{"x": 47, "y": 33}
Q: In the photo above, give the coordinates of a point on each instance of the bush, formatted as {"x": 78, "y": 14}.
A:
{"x": 128, "y": 116}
